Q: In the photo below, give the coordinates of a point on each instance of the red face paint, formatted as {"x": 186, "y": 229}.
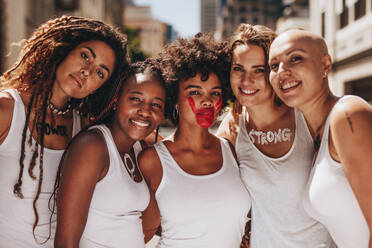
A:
{"x": 205, "y": 117}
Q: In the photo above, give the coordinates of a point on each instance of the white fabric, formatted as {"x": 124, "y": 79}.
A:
{"x": 17, "y": 215}
{"x": 117, "y": 205}
{"x": 330, "y": 199}
{"x": 276, "y": 186}
{"x": 201, "y": 211}
{"x": 350, "y": 3}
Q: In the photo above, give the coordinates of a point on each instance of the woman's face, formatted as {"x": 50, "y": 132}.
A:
{"x": 84, "y": 70}
{"x": 200, "y": 102}
{"x": 140, "y": 106}
{"x": 247, "y": 75}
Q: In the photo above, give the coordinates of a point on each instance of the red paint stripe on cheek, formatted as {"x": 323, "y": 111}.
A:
{"x": 218, "y": 105}
{"x": 192, "y": 104}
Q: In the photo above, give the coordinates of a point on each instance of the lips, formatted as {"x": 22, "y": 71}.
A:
{"x": 248, "y": 91}
{"x": 77, "y": 80}
{"x": 143, "y": 124}
{"x": 289, "y": 84}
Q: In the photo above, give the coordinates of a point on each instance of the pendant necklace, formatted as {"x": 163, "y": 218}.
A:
{"x": 130, "y": 167}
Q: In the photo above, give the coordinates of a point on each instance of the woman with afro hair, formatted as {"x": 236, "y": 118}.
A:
{"x": 68, "y": 68}
{"x": 196, "y": 193}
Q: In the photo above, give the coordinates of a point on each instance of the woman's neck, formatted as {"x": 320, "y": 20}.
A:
{"x": 317, "y": 111}
{"x": 265, "y": 115}
{"x": 193, "y": 136}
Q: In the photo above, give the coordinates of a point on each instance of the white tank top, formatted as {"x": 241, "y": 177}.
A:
{"x": 201, "y": 210}
{"x": 330, "y": 199}
{"x": 17, "y": 215}
{"x": 276, "y": 186}
{"x": 117, "y": 204}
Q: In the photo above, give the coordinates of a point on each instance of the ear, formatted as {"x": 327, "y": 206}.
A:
{"x": 327, "y": 64}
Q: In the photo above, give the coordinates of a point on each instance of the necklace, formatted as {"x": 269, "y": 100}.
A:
{"x": 131, "y": 168}
{"x": 58, "y": 111}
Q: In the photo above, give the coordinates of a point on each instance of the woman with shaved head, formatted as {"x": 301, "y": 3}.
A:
{"x": 339, "y": 190}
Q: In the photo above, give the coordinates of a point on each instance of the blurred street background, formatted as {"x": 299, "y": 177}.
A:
{"x": 346, "y": 26}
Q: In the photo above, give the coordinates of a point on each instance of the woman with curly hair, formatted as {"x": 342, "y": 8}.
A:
{"x": 102, "y": 192}
{"x": 193, "y": 176}
{"x": 68, "y": 64}
{"x": 273, "y": 146}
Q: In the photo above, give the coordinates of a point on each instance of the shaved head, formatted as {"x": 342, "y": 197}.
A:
{"x": 313, "y": 41}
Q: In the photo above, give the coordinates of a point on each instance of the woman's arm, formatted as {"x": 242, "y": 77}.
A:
{"x": 351, "y": 133}
{"x": 229, "y": 128}
{"x": 84, "y": 164}
{"x": 150, "y": 166}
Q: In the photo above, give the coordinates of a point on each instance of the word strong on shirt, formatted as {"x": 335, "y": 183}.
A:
{"x": 264, "y": 138}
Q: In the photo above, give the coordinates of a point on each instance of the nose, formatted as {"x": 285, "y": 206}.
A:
{"x": 85, "y": 71}
{"x": 144, "y": 110}
{"x": 282, "y": 68}
{"x": 247, "y": 78}
{"x": 206, "y": 102}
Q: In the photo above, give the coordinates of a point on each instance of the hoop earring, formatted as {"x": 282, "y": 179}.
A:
{"x": 175, "y": 112}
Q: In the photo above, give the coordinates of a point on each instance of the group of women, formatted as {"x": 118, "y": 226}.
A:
{"x": 289, "y": 151}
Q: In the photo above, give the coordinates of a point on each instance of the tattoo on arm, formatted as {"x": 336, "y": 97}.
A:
{"x": 349, "y": 121}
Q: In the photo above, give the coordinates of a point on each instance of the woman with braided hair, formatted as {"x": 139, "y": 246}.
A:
{"x": 70, "y": 65}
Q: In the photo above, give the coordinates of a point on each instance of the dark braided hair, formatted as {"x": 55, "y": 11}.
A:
{"x": 184, "y": 58}
{"x": 35, "y": 72}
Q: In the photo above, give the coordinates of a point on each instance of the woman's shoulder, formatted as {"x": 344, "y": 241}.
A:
{"x": 349, "y": 108}
{"x": 6, "y": 113}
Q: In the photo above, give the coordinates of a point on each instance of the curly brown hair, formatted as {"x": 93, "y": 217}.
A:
{"x": 258, "y": 35}
{"x": 35, "y": 72}
{"x": 184, "y": 58}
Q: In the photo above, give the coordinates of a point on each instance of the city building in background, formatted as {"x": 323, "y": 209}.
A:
{"x": 208, "y": 15}
{"x": 32, "y": 13}
{"x": 234, "y": 12}
{"x": 295, "y": 14}
{"x": 346, "y": 26}
{"x": 153, "y": 33}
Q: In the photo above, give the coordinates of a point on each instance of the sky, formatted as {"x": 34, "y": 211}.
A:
{"x": 183, "y": 15}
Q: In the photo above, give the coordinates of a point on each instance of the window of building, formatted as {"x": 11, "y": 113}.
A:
{"x": 67, "y": 5}
{"x": 243, "y": 20}
{"x": 344, "y": 16}
{"x": 242, "y": 10}
{"x": 361, "y": 87}
{"x": 255, "y": 20}
{"x": 323, "y": 24}
{"x": 359, "y": 9}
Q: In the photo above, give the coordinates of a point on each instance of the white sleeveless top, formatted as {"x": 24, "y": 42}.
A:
{"x": 201, "y": 210}
{"x": 330, "y": 199}
{"x": 276, "y": 186}
{"x": 17, "y": 215}
{"x": 117, "y": 204}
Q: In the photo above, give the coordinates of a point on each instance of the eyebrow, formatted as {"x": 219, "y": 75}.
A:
{"x": 295, "y": 50}
{"x": 141, "y": 93}
{"x": 199, "y": 87}
{"x": 94, "y": 56}
{"x": 253, "y": 66}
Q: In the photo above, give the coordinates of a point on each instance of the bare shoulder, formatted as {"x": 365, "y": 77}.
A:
{"x": 150, "y": 166}
{"x": 228, "y": 128}
{"x": 6, "y": 113}
{"x": 148, "y": 161}
{"x": 353, "y": 112}
{"x": 88, "y": 148}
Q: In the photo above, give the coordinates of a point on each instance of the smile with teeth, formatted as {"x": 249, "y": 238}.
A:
{"x": 248, "y": 91}
{"x": 141, "y": 123}
{"x": 290, "y": 84}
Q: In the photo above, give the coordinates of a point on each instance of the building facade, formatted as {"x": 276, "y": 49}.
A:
{"x": 234, "y": 12}
{"x": 153, "y": 33}
{"x": 346, "y": 26}
{"x": 295, "y": 14}
{"x": 208, "y": 15}
{"x": 30, "y": 14}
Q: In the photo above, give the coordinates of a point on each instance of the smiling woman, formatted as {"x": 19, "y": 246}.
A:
{"x": 101, "y": 192}
{"x": 69, "y": 65}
